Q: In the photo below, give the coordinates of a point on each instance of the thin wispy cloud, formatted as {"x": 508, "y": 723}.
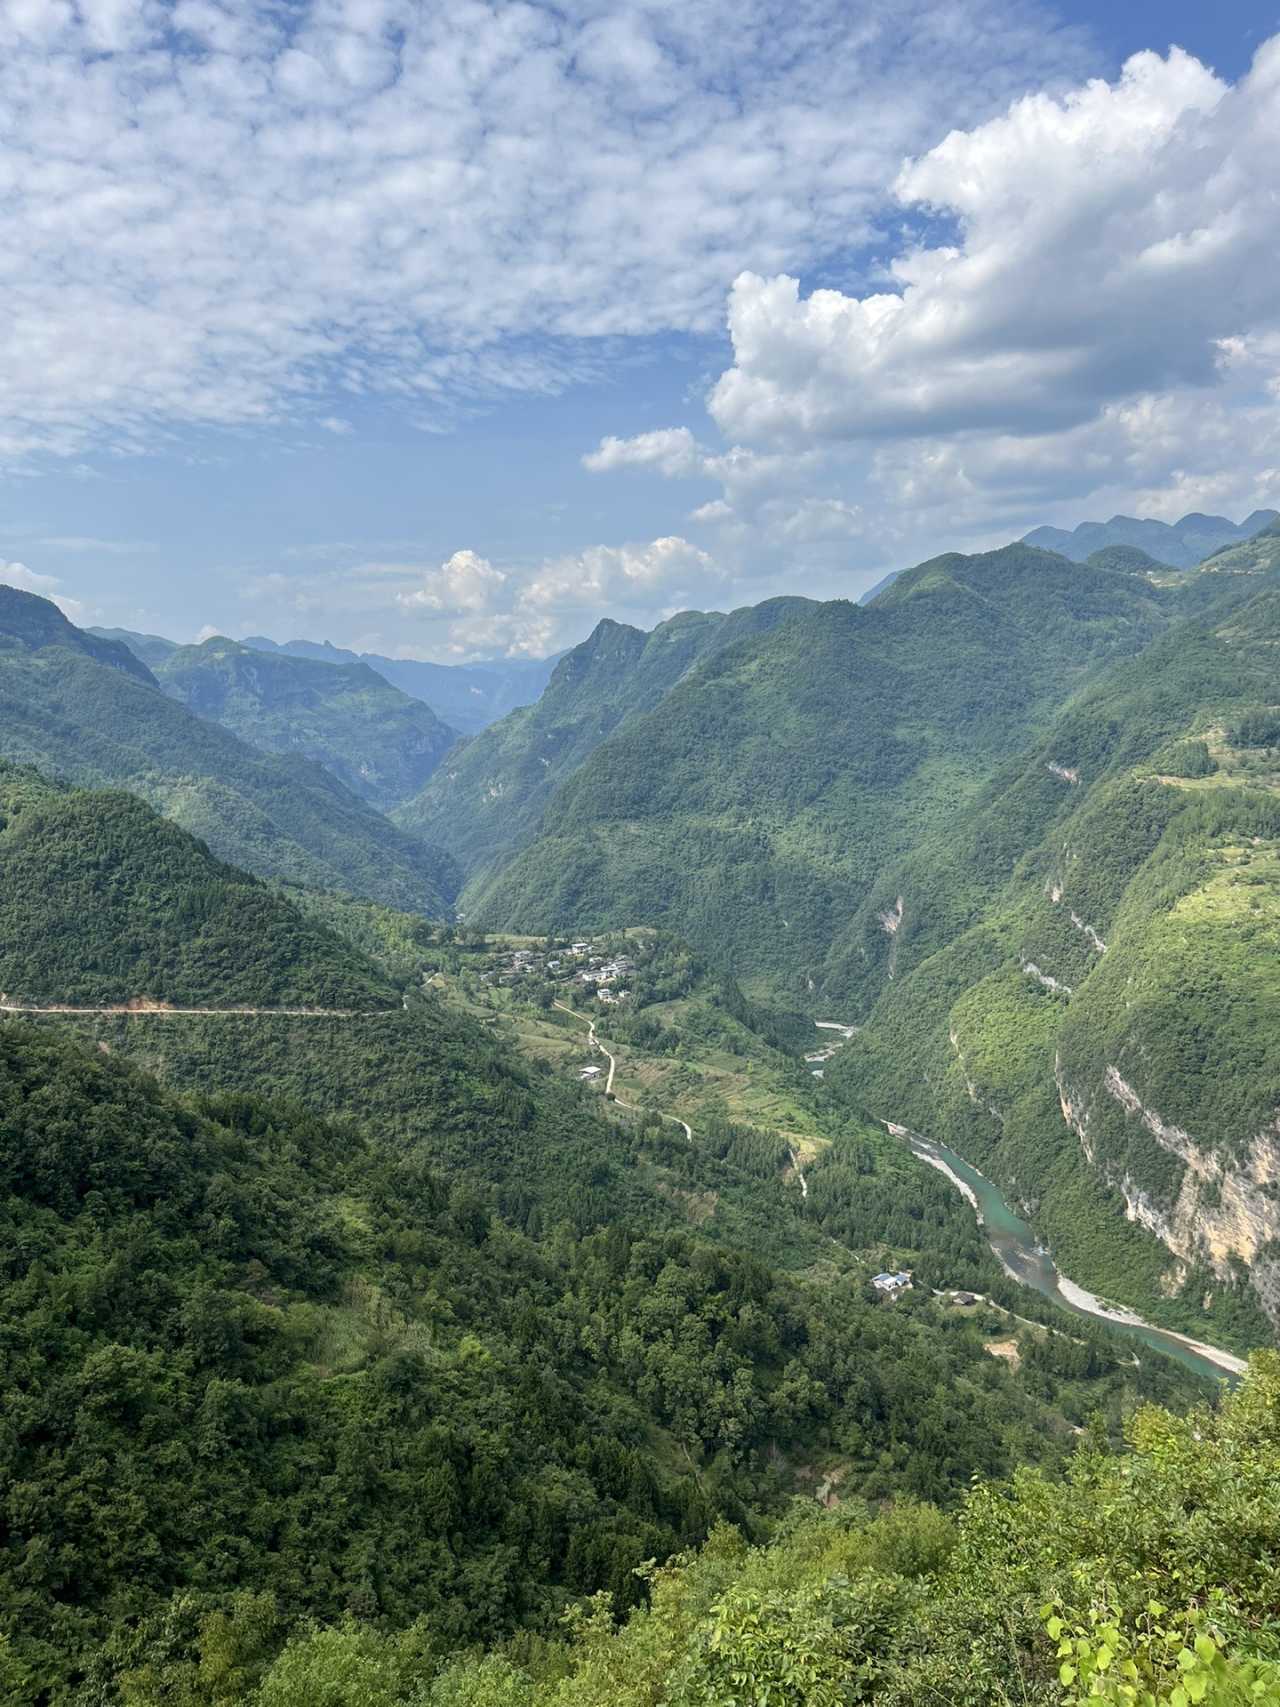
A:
{"x": 217, "y": 213}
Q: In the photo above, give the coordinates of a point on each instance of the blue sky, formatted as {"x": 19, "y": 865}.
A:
{"x": 447, "y": 330}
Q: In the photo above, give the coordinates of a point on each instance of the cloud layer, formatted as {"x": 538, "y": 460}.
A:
{"x": 469, "y": 607}
{"x": 216, "y": 210}
{"x": 1103, "y": 328}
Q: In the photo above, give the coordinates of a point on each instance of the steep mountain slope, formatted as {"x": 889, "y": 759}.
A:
{"x": 467, "y": 697}
{"x": 1180, "y": 544}
{"x": 755, "y": 807}
{"x": 469, "y": 1354}
{"x": 102, "y": 901}
{"x": 88, "y": 710}
{"x": 1085, "y": 971}
{"x": 382, "y": 743}
{"x": 489, "y": 797}
{"x": 1153, "y": 1564}
{"x": 152, "y": 649}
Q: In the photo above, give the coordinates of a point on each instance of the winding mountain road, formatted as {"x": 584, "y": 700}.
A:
{"x": 595, "y": 1043}
{"x": 165, "y": 1009}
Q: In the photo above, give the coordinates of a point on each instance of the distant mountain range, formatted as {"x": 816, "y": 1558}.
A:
{"x": 466, "y": 696}
{"x": 382, "y": 743}
{"x": 1181, "y": 544}
{"x": 86, "y": 709}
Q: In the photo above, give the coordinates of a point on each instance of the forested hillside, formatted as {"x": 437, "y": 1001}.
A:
{"x": 467, "y": 696}
{"x": 85, "y": 709}
{"x": 754, "y": 809}
{"x": 1085, "y": 969}
{"x": 364, "y": 1317}
{"x": 103, "y": 902}
{"x": 489, "y": 798}
{"x": 1147, "y": 1577}
{"x": 262, "y": 1367}
{"x": 380, "y": 742}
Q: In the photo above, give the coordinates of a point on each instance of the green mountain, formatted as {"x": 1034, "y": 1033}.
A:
{"x": 1181, "y": 544}
{"x": 490, "y": 796}
{"x": 759, "y": 803}
{"x": 1126, "y": 560}
{"x": 103, "y": 901}
{"x": 152, "y": 649}
{"x": 88, "y": 710}
{"x": 467, "y": 696}
{"x": 1258, "y": 555}
{"x": 421, "y": 1346}
{"x": 1080, "y": 989}
{"x": 380, "y": 742}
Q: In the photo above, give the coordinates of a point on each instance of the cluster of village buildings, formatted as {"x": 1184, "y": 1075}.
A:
{"x": 580, "y": 963}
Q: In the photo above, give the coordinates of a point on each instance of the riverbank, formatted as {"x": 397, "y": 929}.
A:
{"x": 1092, "y": 1305}
{"x": 1024, "y": 1260}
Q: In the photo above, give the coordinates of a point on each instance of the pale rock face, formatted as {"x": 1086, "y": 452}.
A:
{"x": 1226, "y": 1207}
{"x": 1046, "y": 979}
{"x": 891, "y": 924}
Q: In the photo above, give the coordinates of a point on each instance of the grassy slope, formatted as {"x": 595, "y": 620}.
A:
{"x": 757, "y": 806}
{"x": 380, "y": 742}
{"x": 87, "y": 710}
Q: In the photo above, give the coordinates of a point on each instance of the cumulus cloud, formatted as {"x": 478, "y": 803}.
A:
{"x": 468, "y": 606}
{"x": 642, "y": 577}
{"x": 46, "y": 586}
{"x": 1101, "y": 330}
{"x": 1111, "y": 242}
{"x": 670, "y": 450}
{"x": 215, "y": 213}
{"x": 464, "y": 582}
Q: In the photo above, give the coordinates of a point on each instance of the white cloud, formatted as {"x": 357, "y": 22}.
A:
{"x": 102, "y": 547}
{"x": 1101, "y": 330}
{"x": 465, "y": 582}
{"x": 604, "y": 577}
{"x": 1111, "y": 241}
{"x": 468, "y": 606}
{"x": 670, "y": 450}
{"x": 227, "y": 214}
{"x": 45, "y": 586}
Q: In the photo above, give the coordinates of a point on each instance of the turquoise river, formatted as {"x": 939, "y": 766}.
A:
{"x": 1026, "y": 1261}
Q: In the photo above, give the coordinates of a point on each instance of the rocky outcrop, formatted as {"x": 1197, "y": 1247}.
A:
{"x": 1227, "y": 1208}
{"x": 1046, "y": 979}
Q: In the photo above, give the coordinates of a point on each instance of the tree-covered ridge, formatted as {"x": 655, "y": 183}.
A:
{"x": 1255, "y": 556}
{"x": 103, "y": 722}
{"x": 1146, "y": 1578}
{"x": 488, "y": 799}
{"x": 756, "y": 806}
{"x": 31, "y": 622}
{"x": 467, "y": 697}
{"x": 1086, "y": 966}
{"x": 103, "y": 901}
{"x": 260, "y": 1367}
{"x": 380, "y": 742}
